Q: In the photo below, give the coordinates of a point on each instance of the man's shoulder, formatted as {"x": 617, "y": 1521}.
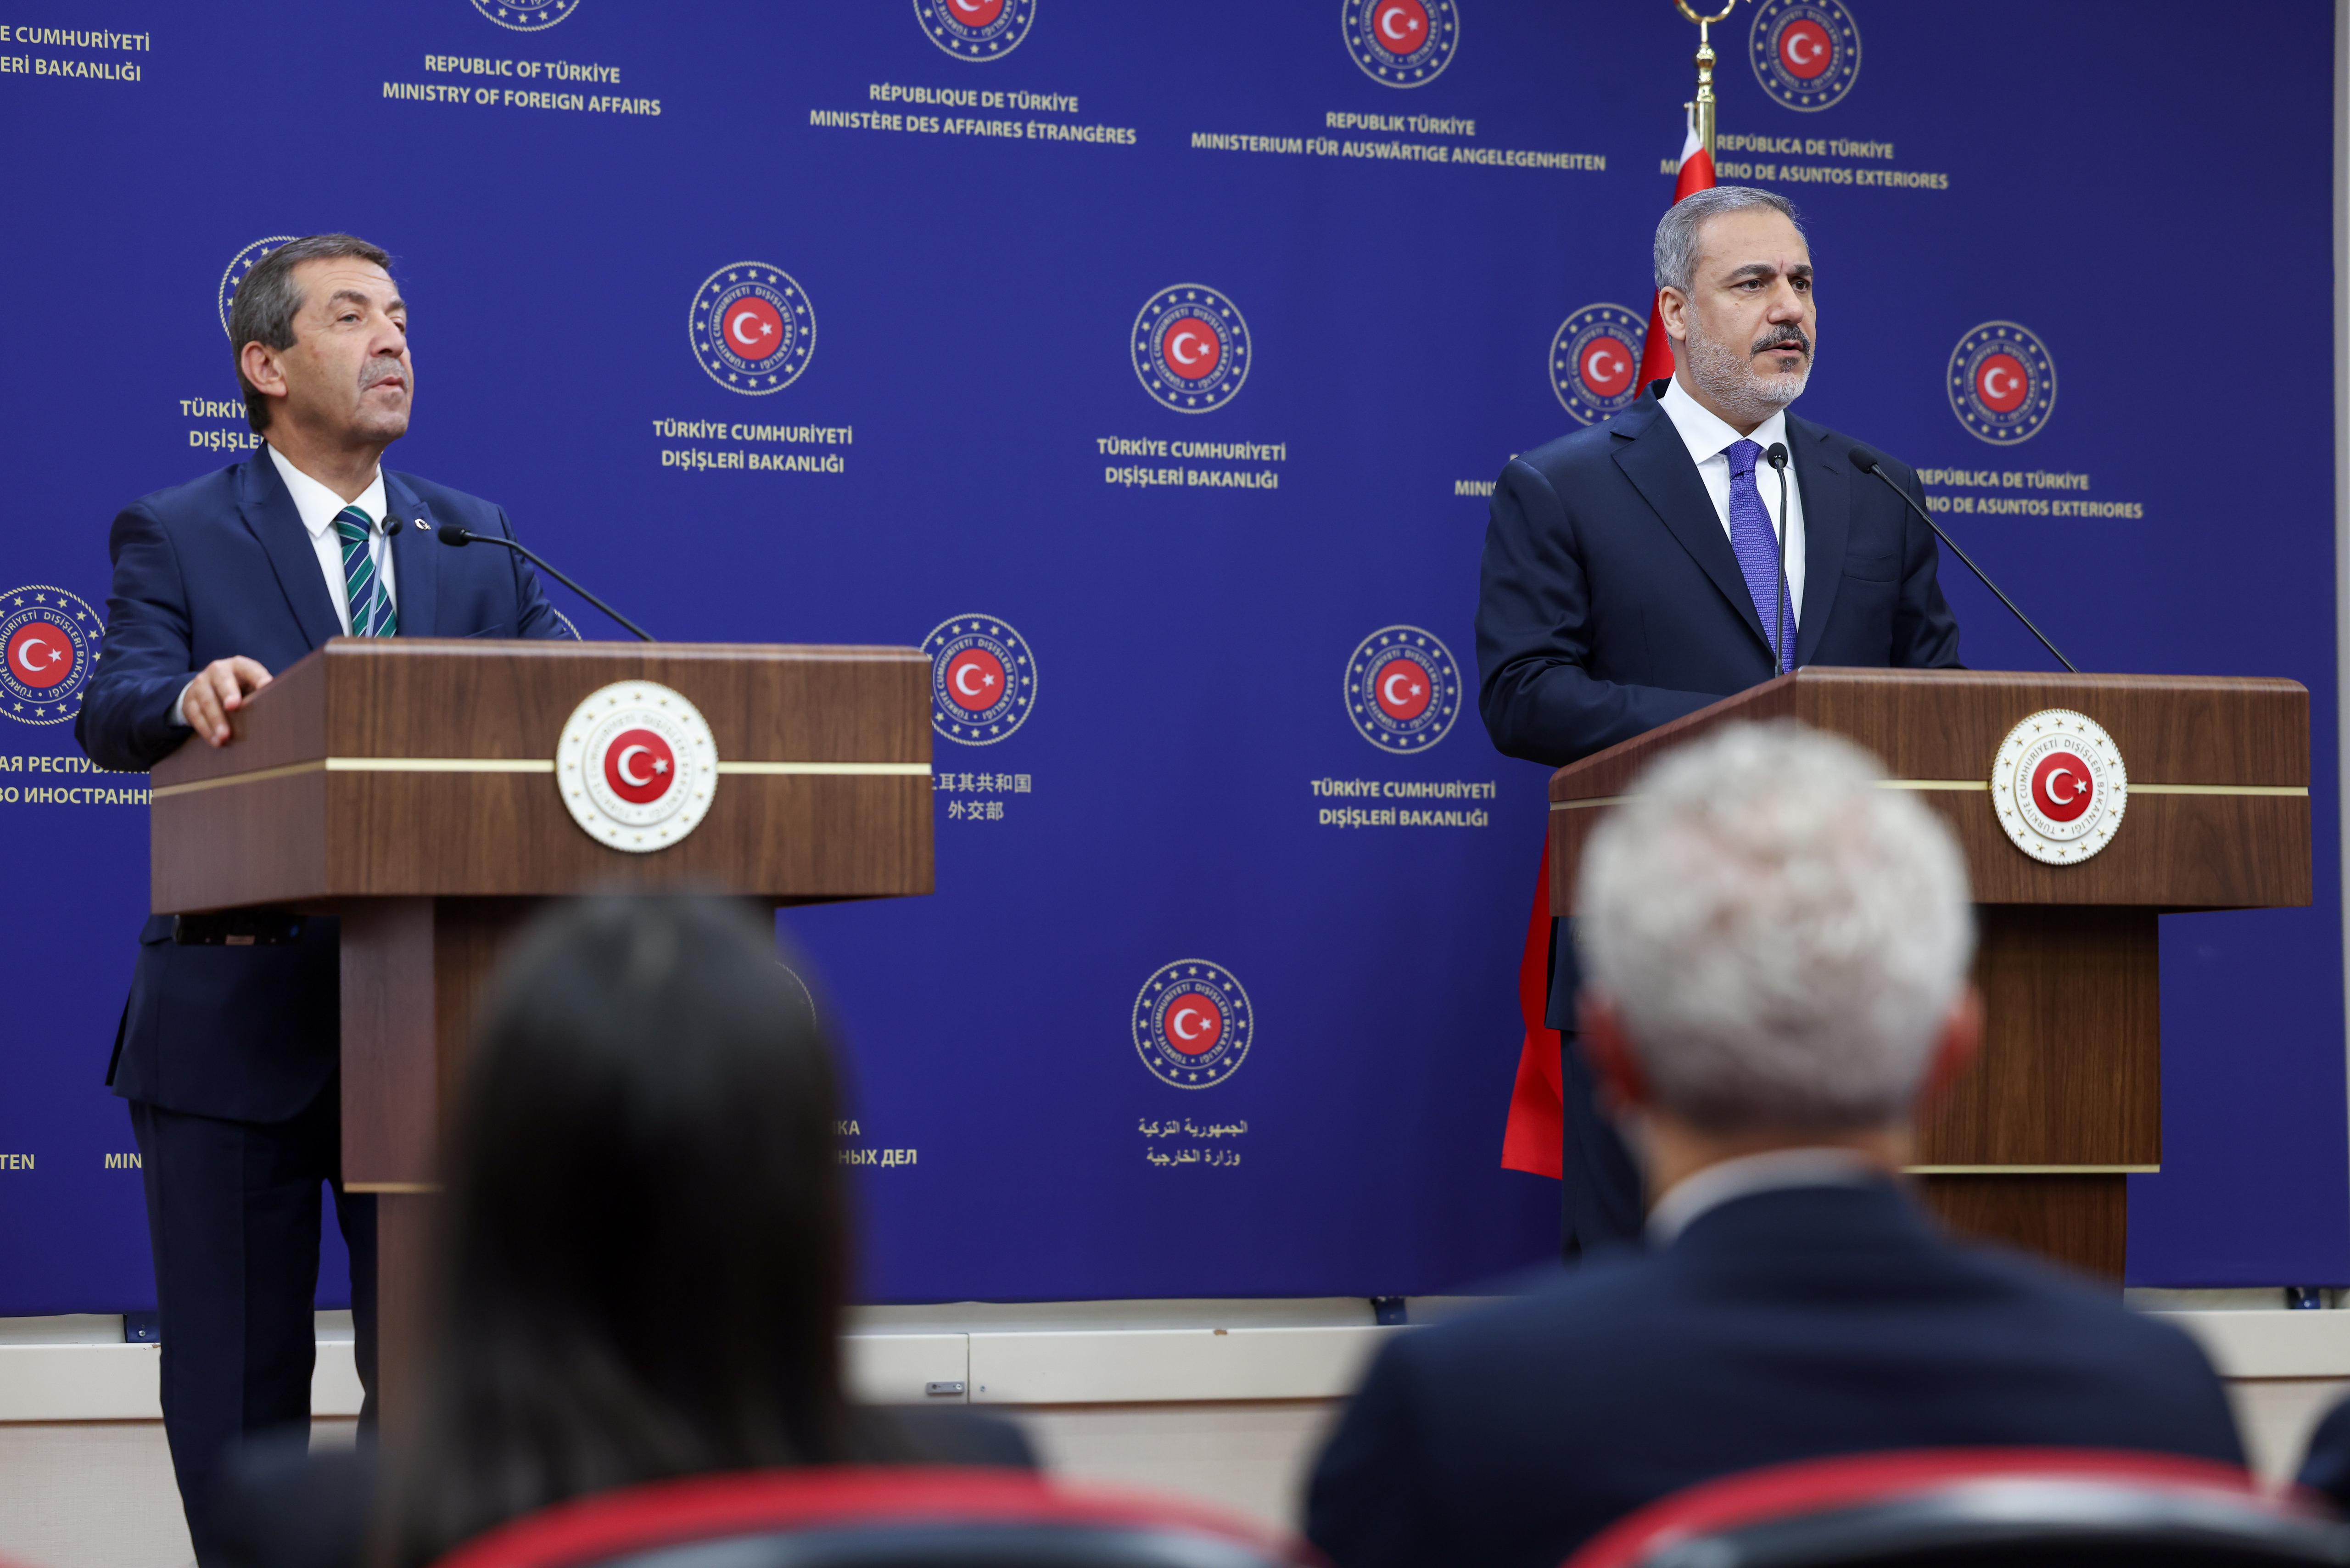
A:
{"x": 1835, "y": 444}
{"x": 440, "y": 497}
{"x": 1609, "y": 1294}
{"x": 1564, "y": 460}
{"x": 206, "y": 495}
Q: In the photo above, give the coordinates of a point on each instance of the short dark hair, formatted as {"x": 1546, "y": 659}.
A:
{"x": 267, "y": 301}
{"x": 642, "y": 1251}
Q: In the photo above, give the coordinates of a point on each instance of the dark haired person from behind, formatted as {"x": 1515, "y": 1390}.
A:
{"x": 643, "y": 1254}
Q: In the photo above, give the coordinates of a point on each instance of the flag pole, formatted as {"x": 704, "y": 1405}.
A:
{"x": 1703, "y": 108}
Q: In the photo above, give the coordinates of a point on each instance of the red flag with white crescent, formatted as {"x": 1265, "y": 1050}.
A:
{"x": 1696, "y": 174}
{"x": 1534, "y": 1140}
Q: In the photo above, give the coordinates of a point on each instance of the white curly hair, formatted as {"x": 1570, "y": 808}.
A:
{"x": 1781, "y": 936}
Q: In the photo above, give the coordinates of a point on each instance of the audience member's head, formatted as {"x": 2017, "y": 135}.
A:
{"x": 1775, "y": 948}
{"x": 641, "y": 1248}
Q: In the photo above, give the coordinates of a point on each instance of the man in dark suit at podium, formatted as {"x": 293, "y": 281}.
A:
{"x": 1632, "y": 570}
{"x": 1777, "y": 949}
{"x": 228, "y": 1049}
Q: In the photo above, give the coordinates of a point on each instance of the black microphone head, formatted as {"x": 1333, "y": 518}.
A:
{"x": 451, "y": 534}
{"x": 391, "y": 527}
{"x": 1864, "y": 460}
{"x": 1777, "y": 456}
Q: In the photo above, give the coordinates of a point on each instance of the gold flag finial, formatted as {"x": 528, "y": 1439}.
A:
{"x": 1703, "y": 108}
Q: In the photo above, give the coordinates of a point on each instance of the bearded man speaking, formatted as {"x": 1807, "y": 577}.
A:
{"x": 1633, "y": 571}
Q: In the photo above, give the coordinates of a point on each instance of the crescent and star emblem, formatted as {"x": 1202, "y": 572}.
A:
{"x": 24, "y": 660}
{"x": 1993, "y": 379}
{"x": 1795, "y": 46}
{"x": 734, "y": 329}
{"x": 1599, "y": 365}
{"x": 620, "y": 766}
{"x": 1175, "y": 349}
{"x": 962, "y": 686}
{"x": 2062, "y": 793}
{"x": 970, "y": 8}
{"x": 1177, "y": 1019}
{"x": 1388, "y": 28}
{"x": 1387, "y": 688}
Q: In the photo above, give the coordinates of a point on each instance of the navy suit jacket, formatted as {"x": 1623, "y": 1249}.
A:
{"x": 218, "y": 566}
{"x": 1789, "y": 1325}
{"x": 1611, "y": 601}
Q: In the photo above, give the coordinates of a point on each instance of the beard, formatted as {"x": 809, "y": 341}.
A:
{"x": 1726, "y": 373}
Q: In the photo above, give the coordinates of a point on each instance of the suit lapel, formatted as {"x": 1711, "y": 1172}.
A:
{"x": 415, "y": 560}
{"x": 1826, "y": 483}
{"x": 269, "y": 515}
{"x": 1657, "y": 460}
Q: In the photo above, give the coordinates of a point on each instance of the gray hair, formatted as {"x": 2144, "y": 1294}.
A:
{"x": 1781, "y": 936}
{"x": 1676, "y": 231}
{"x": 267, "y": 301}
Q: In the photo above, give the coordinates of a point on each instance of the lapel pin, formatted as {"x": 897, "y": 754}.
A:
{"x": 421, "y": 523}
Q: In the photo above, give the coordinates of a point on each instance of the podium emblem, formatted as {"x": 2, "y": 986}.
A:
{"x": 637, "y": 766}
{"x": 2059, "y": 787}
{"x": 1192, "y": 1024}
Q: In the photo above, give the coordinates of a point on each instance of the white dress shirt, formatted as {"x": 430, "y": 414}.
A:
{"x": 1709, "y": 441}
{"x": 318, "y": 506}
{"x": 1720, "y": 1183}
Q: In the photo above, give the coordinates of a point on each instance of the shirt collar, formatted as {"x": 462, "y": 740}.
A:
{"x": 1705, "y": 433}
{"x": 1721, "y": 1183}
{"x": 318, "y": 506}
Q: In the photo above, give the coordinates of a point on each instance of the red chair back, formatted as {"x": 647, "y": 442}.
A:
{"x": 908, "y": 1515}
{"x": 1953, "y": 1508}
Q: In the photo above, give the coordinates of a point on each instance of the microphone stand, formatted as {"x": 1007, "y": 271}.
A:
{"x": 451, "y": 534}
{"x": 1867, "y": 463}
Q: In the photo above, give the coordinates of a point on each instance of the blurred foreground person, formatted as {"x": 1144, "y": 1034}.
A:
{"x": 1775, "y": 954}
{"x": 642, "y": 1257}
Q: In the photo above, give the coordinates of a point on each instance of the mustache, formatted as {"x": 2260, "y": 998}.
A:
{"x": 1790, "y": 335}
{"x": 386, "y": 366}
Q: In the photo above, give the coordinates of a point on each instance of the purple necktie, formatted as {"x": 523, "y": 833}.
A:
{"x": 1756, "y": 546}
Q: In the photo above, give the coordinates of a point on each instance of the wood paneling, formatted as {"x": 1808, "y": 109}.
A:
{"x": 2071, "y": 1067}
{"x": 317, "y": 837}
{"x": 433, "y": 871}
{"x": 2081, "y": 1221}
{"x": 2070, "y": 1073}
{"x": 2172, "y": 851}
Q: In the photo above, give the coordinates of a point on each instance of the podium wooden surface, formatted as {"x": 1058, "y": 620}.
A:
{"x": 2034, "y": 1145}
{"x": 407, "y": 786}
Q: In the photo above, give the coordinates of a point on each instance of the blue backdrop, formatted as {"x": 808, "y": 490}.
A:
{"x": 971, "y": 418}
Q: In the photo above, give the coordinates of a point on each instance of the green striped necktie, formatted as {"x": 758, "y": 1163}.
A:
{"x": 373, "y": 614}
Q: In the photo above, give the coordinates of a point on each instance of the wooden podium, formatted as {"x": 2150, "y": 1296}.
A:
{"x": 2035, "y": 1144}
{"x": 408, "y": 787}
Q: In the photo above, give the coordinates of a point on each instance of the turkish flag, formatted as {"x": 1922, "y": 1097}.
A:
{"x": 1697, "y": 174}
{"x": 1534, "y": 1139}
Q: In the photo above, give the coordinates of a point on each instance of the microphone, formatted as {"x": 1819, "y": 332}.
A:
{"x": 391, "y": 527}
{"x": 453, "y": 536}
{"x": 1777, "y": 458}
{"x": 1868, "y": 462}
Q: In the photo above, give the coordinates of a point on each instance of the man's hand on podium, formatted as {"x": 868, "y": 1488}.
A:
{"x": 219, "y": 690}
